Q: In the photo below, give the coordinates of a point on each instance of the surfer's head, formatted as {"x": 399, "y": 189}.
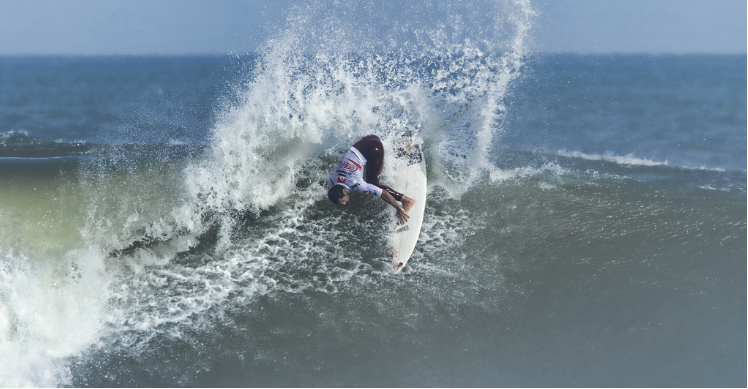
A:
{"x": 338, "y": 195}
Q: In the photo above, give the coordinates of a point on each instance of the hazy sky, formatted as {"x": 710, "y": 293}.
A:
{"x": 650, "y": 26}
{"x": 92, "y": 27}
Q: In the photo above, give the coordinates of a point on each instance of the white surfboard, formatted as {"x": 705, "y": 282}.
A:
{"x": 410, "y": 181}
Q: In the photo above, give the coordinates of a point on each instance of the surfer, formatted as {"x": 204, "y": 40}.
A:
{"x": 359, "y": 170}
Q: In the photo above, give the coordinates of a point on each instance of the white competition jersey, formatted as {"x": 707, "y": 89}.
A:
{"x": 350, "y": 174}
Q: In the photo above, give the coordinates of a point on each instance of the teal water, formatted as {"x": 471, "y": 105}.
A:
{"x": 162, "y": 221}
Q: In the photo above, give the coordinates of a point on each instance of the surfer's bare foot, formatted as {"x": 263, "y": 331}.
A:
{"x": 408, "y": 203}
{"x": 409, "y": 147}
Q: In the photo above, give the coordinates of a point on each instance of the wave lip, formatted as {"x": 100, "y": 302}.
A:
{"x": 20, "y": 144}
{"x": 628, "y": 159}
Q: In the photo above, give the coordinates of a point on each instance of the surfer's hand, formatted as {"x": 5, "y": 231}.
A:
{"x": 402, "y": 216}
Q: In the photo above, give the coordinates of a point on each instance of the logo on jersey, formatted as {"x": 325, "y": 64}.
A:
{"x": 349, "y": 165}
{"x": 341, "y": 178}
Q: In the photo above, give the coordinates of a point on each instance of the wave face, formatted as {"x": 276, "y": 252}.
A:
{"x": 148, "y": 231}
{"x": 165, "y": 223}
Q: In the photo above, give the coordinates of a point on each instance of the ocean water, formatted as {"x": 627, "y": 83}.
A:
{"x": 163, "y": 222}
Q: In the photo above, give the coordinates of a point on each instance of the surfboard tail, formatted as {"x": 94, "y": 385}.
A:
{"x": 397, "y": 264}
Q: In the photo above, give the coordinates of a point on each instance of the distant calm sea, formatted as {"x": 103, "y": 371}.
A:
{"x": 162, "y": 221}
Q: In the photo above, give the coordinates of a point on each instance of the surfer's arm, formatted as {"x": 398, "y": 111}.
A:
{"x": 402, "y": 215}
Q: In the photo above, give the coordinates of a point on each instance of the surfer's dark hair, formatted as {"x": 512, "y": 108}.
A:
{"x": 335, "y": 193}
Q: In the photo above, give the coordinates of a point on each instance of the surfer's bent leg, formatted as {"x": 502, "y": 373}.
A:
{"x": 371, "y": 148}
